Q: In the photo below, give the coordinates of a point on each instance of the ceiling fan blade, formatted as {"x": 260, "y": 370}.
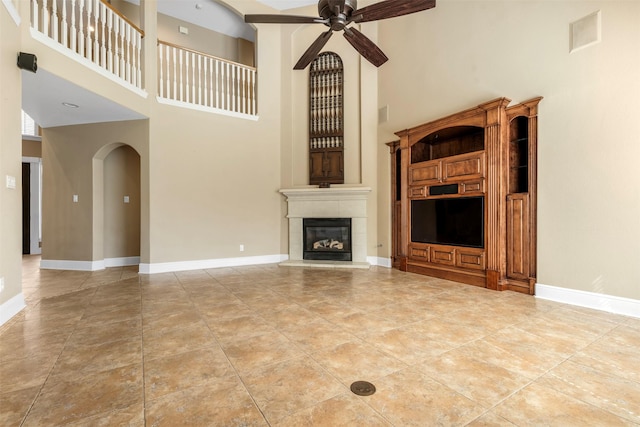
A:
{"x": 313, "y": 50}
{"x": 390, "y": 9}
{"x": 283, "y": 19}
{"x": 366, "y": 47}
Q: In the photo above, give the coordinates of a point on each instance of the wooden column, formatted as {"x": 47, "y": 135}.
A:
{"x": 496, "y": 226}
{"x": 403, "y": 248}
{"x": 396, "y": 214}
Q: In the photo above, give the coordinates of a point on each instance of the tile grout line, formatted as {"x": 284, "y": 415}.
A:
{"x": 221, "y": 348}
{"x": 75, "y": 327}
{"x": 144, "y": 388}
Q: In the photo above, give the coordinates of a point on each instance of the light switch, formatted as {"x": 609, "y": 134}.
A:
{"x": 126, "y": 199}
{"x": 11, "y": 182}
{"x": 75, "y": 198}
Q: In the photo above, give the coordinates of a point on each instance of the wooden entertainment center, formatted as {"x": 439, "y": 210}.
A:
{"x": 464, "y": 196}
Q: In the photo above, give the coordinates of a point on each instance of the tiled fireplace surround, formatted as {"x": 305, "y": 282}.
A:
{"x": 332, "y": 202}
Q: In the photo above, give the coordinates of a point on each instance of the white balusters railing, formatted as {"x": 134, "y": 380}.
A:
{"x": 94, "y": 30}
{"x": 196, "y": 78}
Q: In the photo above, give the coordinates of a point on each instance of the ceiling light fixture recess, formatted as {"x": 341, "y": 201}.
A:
{"x": 70, "y": 105}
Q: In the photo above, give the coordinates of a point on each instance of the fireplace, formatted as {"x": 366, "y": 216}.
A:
{"x": 327, "y": 239}
{"x": 338, "y": 201}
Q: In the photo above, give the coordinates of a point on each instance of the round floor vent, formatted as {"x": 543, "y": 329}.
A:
{"x": 363, "y": 388}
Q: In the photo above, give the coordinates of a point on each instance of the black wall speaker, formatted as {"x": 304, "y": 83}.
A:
{"x": 28, "y": 61}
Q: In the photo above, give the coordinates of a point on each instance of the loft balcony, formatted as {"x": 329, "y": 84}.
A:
{"x": 191, "y": 79}
{"x": 94, "y": 33}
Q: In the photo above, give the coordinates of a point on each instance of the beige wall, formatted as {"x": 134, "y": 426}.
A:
{"x": 10, "y": 159}
{"x": 122, "y": 219}
{"x": 73, "y": 164}
{"x": 215, "y": 179}
{"x": 465, "y": 52}
{"x": 199, "y": 38}
{"x": 215, "y": 184}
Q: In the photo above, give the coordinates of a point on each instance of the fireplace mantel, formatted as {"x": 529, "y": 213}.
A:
{"x": 338, "y": 201}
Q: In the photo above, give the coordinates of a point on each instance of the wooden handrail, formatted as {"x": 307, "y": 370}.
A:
{"x": 127, "y": 20}
{"x": 206, "y": 54}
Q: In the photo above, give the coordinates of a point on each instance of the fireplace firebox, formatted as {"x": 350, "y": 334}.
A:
{"x": 327, "y": 239}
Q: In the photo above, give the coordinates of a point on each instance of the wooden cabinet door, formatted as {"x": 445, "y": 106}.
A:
{"x": 316, "y": 173}
{"x": 426, "y": 173}
{"x": 518, "y": 260}
{"x": 326, "y": 167}
{"x": 464, "y": 166}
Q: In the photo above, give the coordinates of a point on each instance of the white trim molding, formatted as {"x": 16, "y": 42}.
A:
{"x": 379, "y": 261}
{"x": 169, "y": 267}
{"x": 213, "y": 110}
{"x": 11, "y": 307}
{"x": 608, "y": 303}
{"x": 13, "y": 12}
{"x": 121, "y": 261}
{"x": 54, "y": 264}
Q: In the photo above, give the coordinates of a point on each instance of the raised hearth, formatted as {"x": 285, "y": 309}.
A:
{"x": 334, "y": 202}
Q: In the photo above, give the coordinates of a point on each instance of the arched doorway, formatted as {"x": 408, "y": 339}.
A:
{"x": 117, "y": 204}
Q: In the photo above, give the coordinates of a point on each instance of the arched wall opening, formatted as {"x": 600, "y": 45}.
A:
{"x": 117, "y": 205}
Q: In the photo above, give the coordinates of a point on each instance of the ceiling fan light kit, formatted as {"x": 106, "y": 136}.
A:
{"x": 338, "y": 15}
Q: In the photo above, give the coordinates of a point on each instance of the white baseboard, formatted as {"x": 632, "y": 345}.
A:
{"x": 122, "y": 261}
{"x": 52, "y": 264}
{"x": 11, "y": 307}
{"x": 168, "y": 267}
{"x": 379, "y": 261}
{"x": 608, "y": 303}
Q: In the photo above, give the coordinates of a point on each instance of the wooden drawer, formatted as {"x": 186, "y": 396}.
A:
{"x": 444, "y": 256}
{"x": 419, "y": 252}
{"x": 464, "y": 166}
{"x": 471, "y": 187}
{"x": 467, "y": 258}
{"x": 426, "y": 173}
{"x": 417, "y": 192}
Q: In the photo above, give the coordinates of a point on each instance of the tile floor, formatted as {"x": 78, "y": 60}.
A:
{"x": 280, "y": 346}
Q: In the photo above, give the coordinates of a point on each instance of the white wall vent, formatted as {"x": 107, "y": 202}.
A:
{"x": 585, "y": 31}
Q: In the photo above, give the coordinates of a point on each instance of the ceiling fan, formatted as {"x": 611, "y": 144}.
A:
{"x": 338, "y": 15}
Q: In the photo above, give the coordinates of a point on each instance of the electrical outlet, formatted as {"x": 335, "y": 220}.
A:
{"x": 75, "y": 198}
{"x": 1, "y": 284}
{"x": 241, "y": 248}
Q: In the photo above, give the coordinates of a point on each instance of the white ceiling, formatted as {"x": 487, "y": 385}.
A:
{"x": 43, "y": 94}
{"x": 287, "y": 4}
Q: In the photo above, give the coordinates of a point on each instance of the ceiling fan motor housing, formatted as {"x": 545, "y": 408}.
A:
{"x": 327, "y": 8}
